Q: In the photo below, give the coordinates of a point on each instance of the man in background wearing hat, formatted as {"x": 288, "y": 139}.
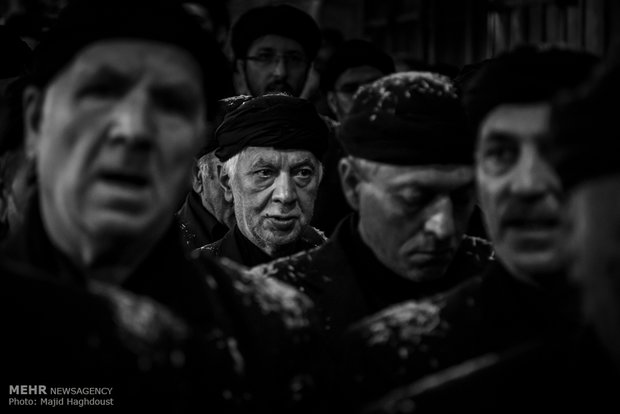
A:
{"x": 274, "y": 47}
{"x": 355, "y": 63}
{"x": 409, "y": 178}
{"x": 99, "y": 287}
{"x": 270, "y": 148}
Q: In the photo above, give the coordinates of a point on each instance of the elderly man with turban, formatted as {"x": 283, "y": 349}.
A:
{"x": 270, "y": 148}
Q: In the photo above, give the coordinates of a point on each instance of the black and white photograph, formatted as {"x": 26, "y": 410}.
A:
{"x": 310, "y": 206}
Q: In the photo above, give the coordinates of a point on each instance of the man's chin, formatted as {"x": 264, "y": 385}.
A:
{"x": 279, "y": 88}
{"x": 533, "y": 265}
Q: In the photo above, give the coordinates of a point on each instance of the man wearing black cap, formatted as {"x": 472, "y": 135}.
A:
{"x": 274, "y": 47}
{"x": 409, "y": 178}
{"x": 270, "y": 148}
{"x": 100, "y": 291}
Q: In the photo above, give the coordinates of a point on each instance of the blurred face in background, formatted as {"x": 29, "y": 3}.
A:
{"x": 519, "y": 192}
{"x": 340, "y": 99}
{"x": 114, "y": 134}
{"x": 275, "y": 64}
{"x": 593, "y": 249}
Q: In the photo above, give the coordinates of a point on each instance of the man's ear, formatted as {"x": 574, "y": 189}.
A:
{"x": 350, "y": 181}
{"x": 196, "y": 177}
{"x": 32, "y": 105}
{"x": 225, "y": 183}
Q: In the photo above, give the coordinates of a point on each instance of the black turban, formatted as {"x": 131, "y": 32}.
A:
{"x": 526, "y": 74}
{"x": 282, "y": 20}
{"x": 82, "y": 23}
{"x": 354, "y": 53}
{"x": 273, "y": 120}
{"x": 585, "y": 128}
{"x": 408, "y": 118}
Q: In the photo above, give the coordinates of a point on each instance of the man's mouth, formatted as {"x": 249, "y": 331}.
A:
{"x": 283, "y": 222}
{"x": 125, "y": 179}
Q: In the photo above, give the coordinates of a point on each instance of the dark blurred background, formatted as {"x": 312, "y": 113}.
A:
{"x": 445, "y": 34}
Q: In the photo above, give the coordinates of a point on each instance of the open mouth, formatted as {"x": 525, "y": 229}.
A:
{"x": 125, "y": 179}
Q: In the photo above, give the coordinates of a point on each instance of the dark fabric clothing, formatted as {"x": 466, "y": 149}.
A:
{"x": 236, "y": 247}
{"x": 347, "y": 282}
{"x": 180, "y": 335}
{"x": 274, "y": 120}
{"x": 198, "y": 226}
{"x": 566, "y": 375}
{"x": 492, "y": 313}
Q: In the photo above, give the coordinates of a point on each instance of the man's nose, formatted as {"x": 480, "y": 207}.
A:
{"x": 280, "y": 70}
{"x": 534, "y": 177}
{"x": 441, "y": 219}
{"x": 132, "y": 120}
{"x": 284, "y": 191}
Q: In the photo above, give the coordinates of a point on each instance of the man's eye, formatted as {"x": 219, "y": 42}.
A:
{"x": 498, "y": 159}
{"x": 265, "y": 57}
{"x": 304, "y": 173}
{"x": 264, "y": 173}
{"x": 101, "y": 90}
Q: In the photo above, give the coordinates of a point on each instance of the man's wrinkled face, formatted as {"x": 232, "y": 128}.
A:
{"x": 341, "y": 98}
{"x": 273, "y": 192}
{"x": 593, "y": 249}
{"x": 519, "y": 191}
{"x": 414, "y": 218}
{"x": 207, "y": 185}
{"x": 117, "y": 131}
{"x": 276, "y": 64}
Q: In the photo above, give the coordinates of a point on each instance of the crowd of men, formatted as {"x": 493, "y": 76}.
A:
{"x": 199, "y": 233}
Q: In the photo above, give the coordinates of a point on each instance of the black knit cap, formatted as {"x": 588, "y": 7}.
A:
{"x": 84, "y": 22}
{"x": 274, "y": 120}
{"x": 283, "y": 20}
{"x": 408, "y": 118}
{"x": 525, "y": 74}
{"x": 585, "y": 129}
{"x": 353, "y": 53}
